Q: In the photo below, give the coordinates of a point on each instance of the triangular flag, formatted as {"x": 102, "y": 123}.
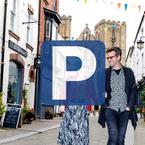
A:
{"x": 139, "y": 7}
{"x": 125, "y": 6}
{"x": 119, "y": 5}
{"x": 85, "y": 1}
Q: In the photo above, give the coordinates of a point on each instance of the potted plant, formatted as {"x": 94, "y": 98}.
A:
{"x": 25, "y": 98}
{"x": 48, "y": 114}
{"x": 2, "y": 106}
{"x": 28, "y": 115}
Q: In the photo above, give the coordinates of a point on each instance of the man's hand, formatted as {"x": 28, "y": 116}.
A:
{"x": 105, "y": 95}
{"x": 127, "y": 109}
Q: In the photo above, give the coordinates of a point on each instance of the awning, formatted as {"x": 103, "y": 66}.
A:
{"x": 53, "y": 14}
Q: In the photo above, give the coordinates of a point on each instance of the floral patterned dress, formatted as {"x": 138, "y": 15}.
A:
{"x": 74, "y": 129}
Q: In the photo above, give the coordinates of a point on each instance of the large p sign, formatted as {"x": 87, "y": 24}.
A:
{"x": 72, "y": 73}
{"x": 87, "y": 69}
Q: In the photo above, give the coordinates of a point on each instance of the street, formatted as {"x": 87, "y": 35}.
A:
{"x": 98, "y": 136}
{"x": 45, "y": 138}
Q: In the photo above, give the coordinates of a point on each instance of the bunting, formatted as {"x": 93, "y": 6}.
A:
{"x": 125, "y": 6}
{"x": 85, "y": 1}
{"x": 119, "y": 5}
{"x": 138, "y": 6}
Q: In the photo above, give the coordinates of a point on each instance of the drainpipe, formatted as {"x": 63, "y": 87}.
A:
{"x": 36, "y": 106}
{"x": 3, "y": 46}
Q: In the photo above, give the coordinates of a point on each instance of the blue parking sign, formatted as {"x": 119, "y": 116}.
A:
{"x": 72, "y": 73}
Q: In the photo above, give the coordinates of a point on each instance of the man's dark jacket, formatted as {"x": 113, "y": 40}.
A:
{"x": 131, "y": 91}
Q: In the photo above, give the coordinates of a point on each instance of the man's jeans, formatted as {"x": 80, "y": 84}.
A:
{"x": 117, "y": 126}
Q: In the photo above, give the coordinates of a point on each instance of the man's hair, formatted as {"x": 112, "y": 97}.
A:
{"x": 117, "y": 50}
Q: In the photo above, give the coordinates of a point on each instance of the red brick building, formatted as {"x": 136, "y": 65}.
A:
{"x": 49, "y": 20}
{"x": 48, "y": 23}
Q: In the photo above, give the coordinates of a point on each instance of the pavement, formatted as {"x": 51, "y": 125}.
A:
{"x": 98, "y": 136}
{"x": 36, "y": 127}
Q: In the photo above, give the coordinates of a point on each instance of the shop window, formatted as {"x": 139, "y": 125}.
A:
{"x": 14, "y": 84}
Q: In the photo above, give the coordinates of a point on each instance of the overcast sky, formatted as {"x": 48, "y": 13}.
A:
{"x": 95, "y": 10}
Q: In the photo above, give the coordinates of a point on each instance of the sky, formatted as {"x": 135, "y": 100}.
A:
{"x": 93, "y": 11}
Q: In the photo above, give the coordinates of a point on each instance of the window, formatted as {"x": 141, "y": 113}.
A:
{"x": 55, "y": 5}
{"x": 28, "y": 29}
{"x": 13, "y": 16}
{"x": 14, "y": 84}
{"x": 54, "y": 28}
{"x": 48, "y": 30}
{"x": 30, "y": 24}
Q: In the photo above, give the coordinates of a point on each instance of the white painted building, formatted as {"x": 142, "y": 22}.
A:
{"x": 136, "y": 55}
{"x": 1, "y": 18}
{"x": 1, "y": 26}
{"x": 20, "y": 49}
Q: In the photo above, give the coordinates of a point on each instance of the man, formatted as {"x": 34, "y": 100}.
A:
{"x": 121, "y": 96}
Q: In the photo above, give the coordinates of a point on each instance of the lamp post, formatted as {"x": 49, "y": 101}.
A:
{"x": 36, "y": 100}
{"x": 140, "y": 44}
{"x": 37, "y": 62}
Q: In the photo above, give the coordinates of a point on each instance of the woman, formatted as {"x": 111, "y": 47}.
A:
{"x": 74, "y": 129}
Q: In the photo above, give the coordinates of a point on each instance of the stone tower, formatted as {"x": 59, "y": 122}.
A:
{"x": 112, "y": 33}
{"x": 65, "y": 27}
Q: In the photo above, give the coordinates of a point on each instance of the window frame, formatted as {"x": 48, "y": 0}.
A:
{"x": 13, "y": 16}
{"x": 48, "y": 34}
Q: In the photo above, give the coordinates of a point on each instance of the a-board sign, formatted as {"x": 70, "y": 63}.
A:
{"x": 12, "y": 115}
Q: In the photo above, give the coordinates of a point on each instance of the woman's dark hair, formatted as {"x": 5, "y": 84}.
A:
{"x": 117, "y": 50}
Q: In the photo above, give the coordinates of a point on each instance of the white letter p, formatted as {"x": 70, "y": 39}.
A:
{"x": 60, "y": 76}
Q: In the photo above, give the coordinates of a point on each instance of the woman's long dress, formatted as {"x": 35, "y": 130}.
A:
{"x": 74, "y": 129}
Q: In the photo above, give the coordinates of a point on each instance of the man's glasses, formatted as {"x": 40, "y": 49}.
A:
{"x": 111, "y": 57}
